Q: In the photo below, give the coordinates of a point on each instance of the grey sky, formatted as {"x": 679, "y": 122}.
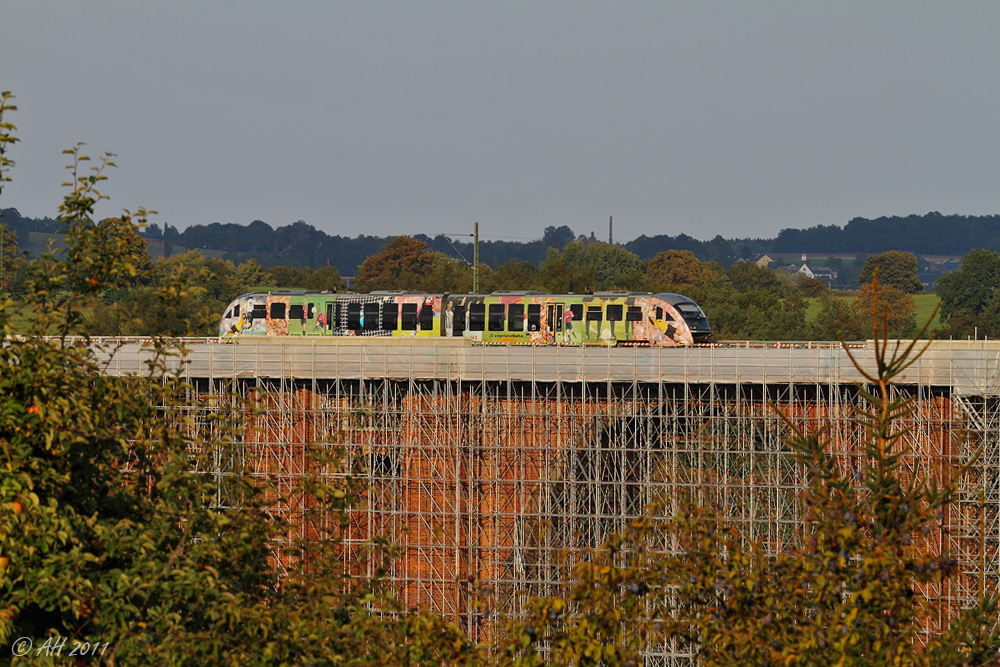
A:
{"x": 713, "y": 117}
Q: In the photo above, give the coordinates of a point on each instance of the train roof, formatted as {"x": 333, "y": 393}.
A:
{"x": 674, "y": 299}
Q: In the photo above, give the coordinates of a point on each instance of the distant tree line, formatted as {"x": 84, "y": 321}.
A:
{"x": 928, "y": 234}
{"x": 301, "y": 244}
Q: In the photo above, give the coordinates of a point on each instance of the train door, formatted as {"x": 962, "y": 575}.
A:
{"x": 556, "y": 328}
{"x": 311, "y": 324}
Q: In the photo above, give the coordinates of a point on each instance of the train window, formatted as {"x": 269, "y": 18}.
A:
{"x": 409, "y": 317}
{"x": 371, "y": 318}
{"x": 458, "y": 326}
{"x": 329, "y": 315}
{"x": 659, "y": 313}
{"x": 515, "y": 317}
{"x": 354, "y": 316}
{"x": 634, "y": 314}
{"x": 577, "y": 310}
{"x": 390, "y": 315}
{"x": 477, "y": 317}
{"x": 496, "y": 317}
{"x": 228, "y": 314}
{"x": 688, "y": 310}
{"x": 614, "y": 312}
{"x": 277, "y": 311}
{"x": 236, "y": 310}
{"x": 338, "y": 313}
{"x": 311, "y": 311}
{"x": 427, "y": 317}
{"x": 296, "y": 312}
{"x": 594, "y": 314}
{"x": 534, "y": 317}
{"x": 259, "y": 310}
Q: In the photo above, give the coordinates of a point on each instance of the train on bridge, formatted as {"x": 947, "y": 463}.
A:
{"x": 522, "y": 317}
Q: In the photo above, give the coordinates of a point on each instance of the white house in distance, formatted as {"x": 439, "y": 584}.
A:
{"x": 822, "y": 273}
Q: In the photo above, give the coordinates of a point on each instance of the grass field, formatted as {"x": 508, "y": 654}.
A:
{"x": 925, "y": 303}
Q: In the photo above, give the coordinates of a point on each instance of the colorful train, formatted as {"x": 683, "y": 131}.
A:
{"x": 527, "y": 318}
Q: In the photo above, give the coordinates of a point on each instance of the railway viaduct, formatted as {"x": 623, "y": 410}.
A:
{"x": 484, "y": 461}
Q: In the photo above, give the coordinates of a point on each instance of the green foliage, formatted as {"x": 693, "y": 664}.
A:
{"x": 673, "y": 267}
{"x": 589, "y": 267}
{"x": 811, "y": 287}
{"x": 9, "y": 263}
{"x": 324, "y": 278}
{"x": 403, "y": 264}
{"x": 969, "y": 289}
{"x": 513, "y": 276}
{"x": 558, "y": 276}
{"x": 895, "y": 269}
{"x": 837, "y": 320}
{"x": 888, "y": 304}
{"x": 7, "y": 138}
{"x": 747, "y": 276}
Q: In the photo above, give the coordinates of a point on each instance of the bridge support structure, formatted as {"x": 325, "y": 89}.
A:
{"x": 484, "y": 464}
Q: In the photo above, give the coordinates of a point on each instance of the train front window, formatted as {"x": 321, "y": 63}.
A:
{"x": 690, "y": 311}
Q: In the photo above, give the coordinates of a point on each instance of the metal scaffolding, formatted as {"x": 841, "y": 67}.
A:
{"x": 483, "y": 464}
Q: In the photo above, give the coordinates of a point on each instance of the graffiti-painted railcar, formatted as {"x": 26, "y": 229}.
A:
{"x": 528, "y": 318}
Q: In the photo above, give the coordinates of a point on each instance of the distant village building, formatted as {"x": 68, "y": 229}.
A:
{"x": 821, "y": 273}
{"x": 932, "y": 268}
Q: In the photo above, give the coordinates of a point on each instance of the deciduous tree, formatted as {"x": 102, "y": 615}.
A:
{"x": 673, "y": 267}
{"x": 838, "y": 320}
{"x": 895, "y": 308}
{"x": 895, "y": 268}
{"x": 967, "y": 291}
{"x": 747, "y": 276}
{"x": 402, "y": 264}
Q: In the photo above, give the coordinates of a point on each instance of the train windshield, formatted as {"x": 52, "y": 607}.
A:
{"x": 690, "y": 311}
